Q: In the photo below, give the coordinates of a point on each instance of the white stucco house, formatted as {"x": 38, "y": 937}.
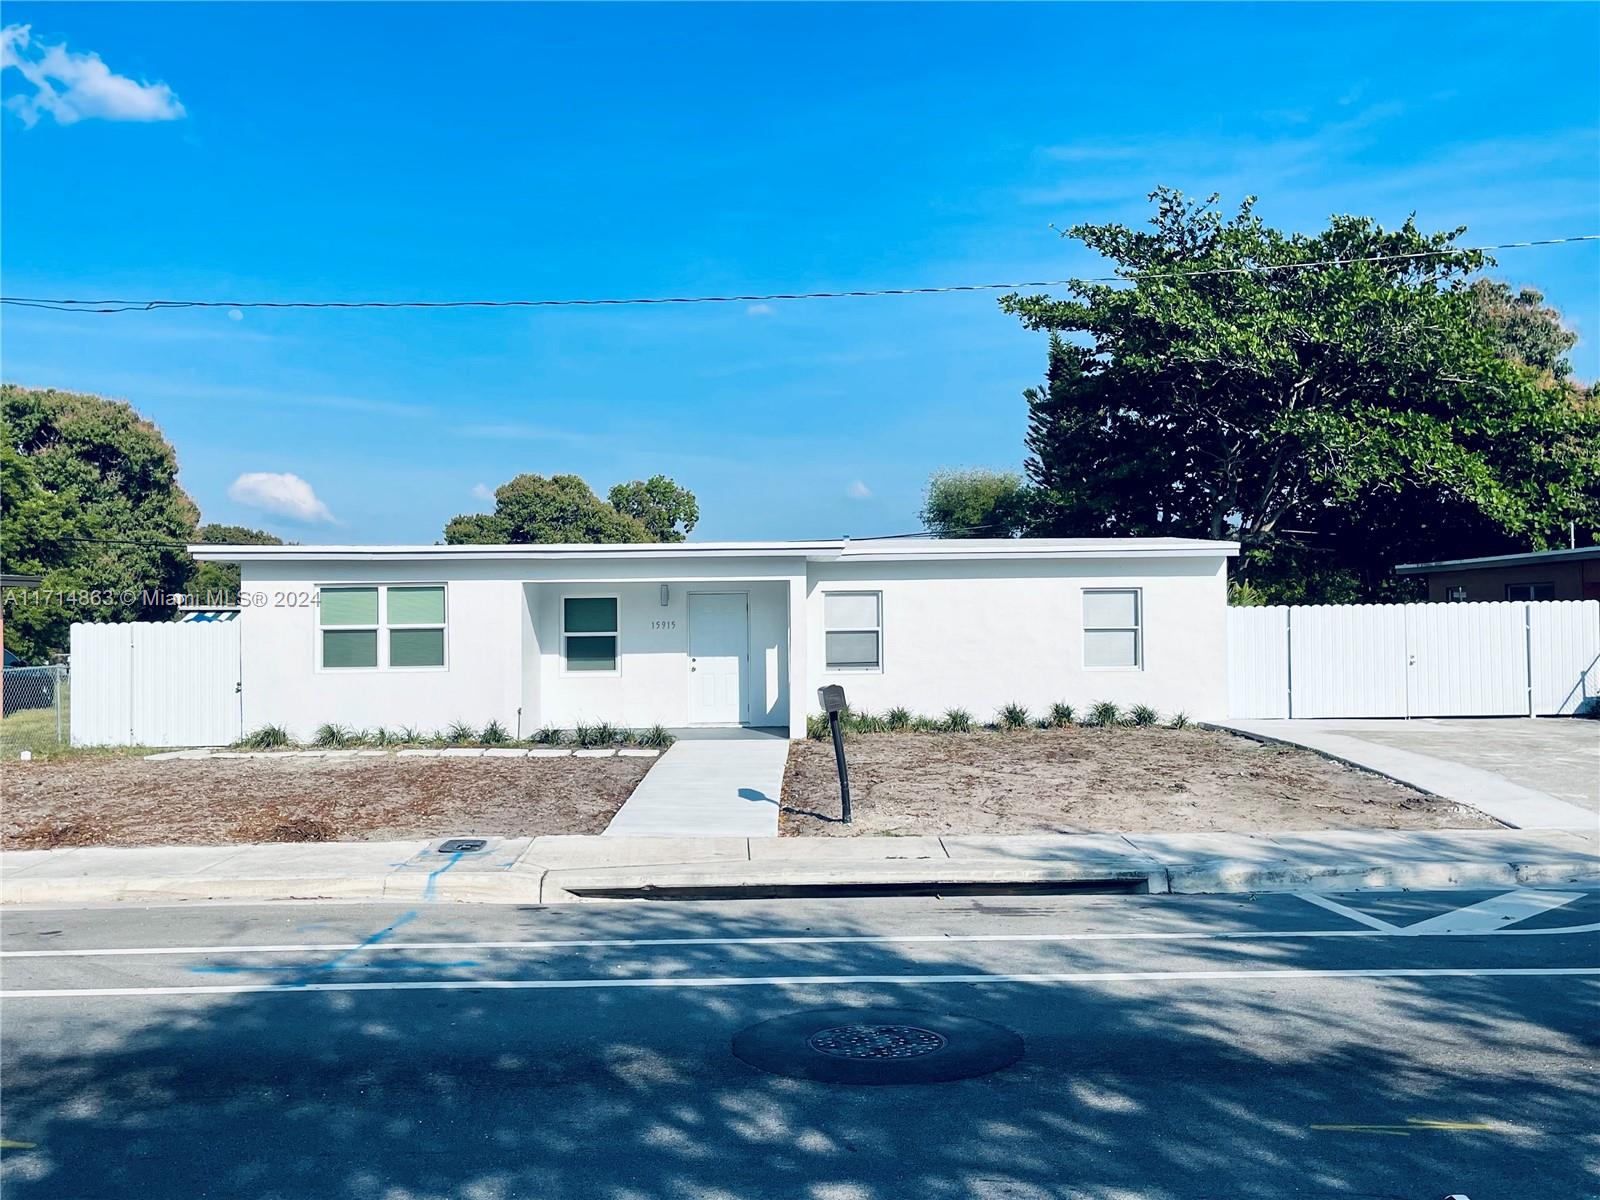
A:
{"x": 723, "y": 633}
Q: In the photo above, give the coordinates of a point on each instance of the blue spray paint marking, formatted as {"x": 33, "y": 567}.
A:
{"x": 331, "y": 964}
{"x": 400, "y": 964}
{"x": 432, "y": 883}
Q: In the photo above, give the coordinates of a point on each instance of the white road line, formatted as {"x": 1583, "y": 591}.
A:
{"x": 1494, "y": 914}
{"x": 654, "y": 981}
{"x": 1381, "y": 929}
{"x": 1344, "y": 910}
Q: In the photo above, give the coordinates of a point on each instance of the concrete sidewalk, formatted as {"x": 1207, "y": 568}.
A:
{"x": 708, "y": 787}
{"x": 554, "y": 870}
{"x": 1425, "y": 755}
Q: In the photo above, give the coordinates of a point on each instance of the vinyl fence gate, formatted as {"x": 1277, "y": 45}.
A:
{"x": 1512, "y": 658}
{"x": 145, "y": 683}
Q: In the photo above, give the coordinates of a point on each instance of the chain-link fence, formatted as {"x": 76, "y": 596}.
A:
{"x": 36, "y": 713}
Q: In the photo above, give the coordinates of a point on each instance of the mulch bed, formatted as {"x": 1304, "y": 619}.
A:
{"x": 1126, "y": 780}
{"x": 119, "y": 801}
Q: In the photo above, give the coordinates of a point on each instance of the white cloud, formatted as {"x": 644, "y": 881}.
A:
{"x": 284, "y": 495}
{"x": 858, "y": 491}
{"x": 761, "y": 310}
{"x": 74, "y": 87}
{"x": 483, "y": 491}
{"x": 235, "y": 315}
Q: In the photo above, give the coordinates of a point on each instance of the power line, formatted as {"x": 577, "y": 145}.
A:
{"x": 59, "y": 304}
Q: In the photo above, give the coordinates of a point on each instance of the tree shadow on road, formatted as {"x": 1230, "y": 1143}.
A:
{"x": 1160, "y": 1090}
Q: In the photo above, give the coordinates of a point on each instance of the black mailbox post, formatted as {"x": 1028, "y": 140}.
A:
{"x": 832, "y": 700}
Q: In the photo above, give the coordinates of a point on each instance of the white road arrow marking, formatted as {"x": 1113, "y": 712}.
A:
{"x": 1344, "y": 910}
{"x": 1489, "y": 915}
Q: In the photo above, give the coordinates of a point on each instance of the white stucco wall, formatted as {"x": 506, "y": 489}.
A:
{"x": 968, "y": 634}
{"x": 978, "y": 635}
{"x": 502, "y": 642}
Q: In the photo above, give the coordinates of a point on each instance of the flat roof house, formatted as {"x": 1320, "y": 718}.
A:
{"x": 1536, "y": 575}
{"x": 723, "y": 633}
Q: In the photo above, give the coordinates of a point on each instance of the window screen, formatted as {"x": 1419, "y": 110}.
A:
{"x": 589, "y": 629}
{"x": 1112, "y": 632}
{"x": 853, "y": 638}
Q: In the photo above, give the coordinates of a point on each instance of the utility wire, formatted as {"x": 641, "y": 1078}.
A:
{"x": 119, "y": 306}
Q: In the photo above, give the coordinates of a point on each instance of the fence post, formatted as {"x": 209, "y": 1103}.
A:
{"x": 1288, "y": 659}
{"x": 58, "y": 682}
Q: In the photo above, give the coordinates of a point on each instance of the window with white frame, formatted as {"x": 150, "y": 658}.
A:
{"x": 370, "y": 626}
{"x": 589, "y": 633}
{"x": 853, "y": 634}
{"x": 1113, "y": 635}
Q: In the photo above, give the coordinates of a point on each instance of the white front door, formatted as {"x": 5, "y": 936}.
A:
{"x": 718, "y": 644}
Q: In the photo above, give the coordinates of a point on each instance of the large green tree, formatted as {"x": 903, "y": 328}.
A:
{"x": 537, "y": 508}
{"x": 1335, "y": 418}
{"x": 975, "y": 503}
{"x": 220, "y": 581}
{"x": 668, "y": 512}
{"x": 89, "y": 498}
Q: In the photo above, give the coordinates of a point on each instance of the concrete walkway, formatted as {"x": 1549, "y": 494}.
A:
{"x": 558, "y": 870}
{"x": 708, "y": 787}
{"x": 1475, "y": 762}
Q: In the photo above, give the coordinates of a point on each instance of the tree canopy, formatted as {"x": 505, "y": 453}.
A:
{"x": 975, "y": 503}
{"x": 221, "y": 580}
{"x": 91, "y": 501}
{"x": 667, "y": 511}
{"x": 563, "y": 508}
{"x": 1337, "y": 419}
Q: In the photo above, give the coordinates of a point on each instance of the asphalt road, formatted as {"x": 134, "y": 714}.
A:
{"x": 1174, "y": 1048}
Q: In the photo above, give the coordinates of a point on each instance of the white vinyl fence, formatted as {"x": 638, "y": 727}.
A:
{"x": 155, "y": 684}
{"x": 1511, "y": 658}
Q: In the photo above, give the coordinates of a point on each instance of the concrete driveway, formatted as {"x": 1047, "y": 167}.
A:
{"x": 1554, "y": 755}
{"x": 1528, "y": 772}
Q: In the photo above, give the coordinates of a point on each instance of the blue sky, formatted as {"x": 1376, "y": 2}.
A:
{"x": 420, "y": 151}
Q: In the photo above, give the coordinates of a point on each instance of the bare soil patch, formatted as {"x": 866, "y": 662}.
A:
{"x": 1080, "y": 780}
{"x": 102, "y": 801}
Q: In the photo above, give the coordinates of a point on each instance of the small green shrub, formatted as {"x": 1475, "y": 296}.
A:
{"x": 921, "y": 724}
{"x": 268, "y": 737}
{"x": 1013, "y": 716}
{"x": 958, "y": 720}
{"x": 408, "y": 735}
{"x": 381, "y": 736}
{"x": 626, "y": 737}
{"x": 897, "y": 718}
{"x": 459, "y": 733}
{"x": 333, "y": 737}
{"x": 817, "y": 727}
{"x": 494, "y": 734}
{"x": 588, "y": 736}
{"x": 1061, "y": 715}
{"x": 1103, "y": 714}
{"x": 657, "y": 737}
{"x": 1143, "y": 715}
{"x": 548, "y": 735}
{"x": 864, "y": 723}
{"x": 1180, "y": 720}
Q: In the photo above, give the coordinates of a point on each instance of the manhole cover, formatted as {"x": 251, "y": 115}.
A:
{"x": 877, "y": 1046}
{"x": 876, "y": 1041}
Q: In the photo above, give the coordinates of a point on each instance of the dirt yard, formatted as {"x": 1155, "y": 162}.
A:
{"x": 114, "y": 801}
{"x": 1078, "y": 780}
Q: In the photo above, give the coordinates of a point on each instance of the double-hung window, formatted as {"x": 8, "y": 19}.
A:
{"x": 589, "y": 633}
{"x": 375, "y": 626}
{"x": 853, "y": 637}
{"x": 1113, "y": 635}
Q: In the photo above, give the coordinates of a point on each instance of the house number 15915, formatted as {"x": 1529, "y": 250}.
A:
{"x": 663, "y": 624}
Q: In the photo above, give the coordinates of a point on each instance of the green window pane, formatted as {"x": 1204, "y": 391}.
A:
{"x": 416, "y": 606}
{"x": 591, "y": 653}
{"x": 591, "y": 614}
{"x": 416, "y": 647}
{"x": 349, "y": 648}
{"x": 349, "y": 606}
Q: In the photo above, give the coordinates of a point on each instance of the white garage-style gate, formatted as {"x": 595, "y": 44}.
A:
{"x": 148, "y": 683}
{"x": 1414, "y": 660}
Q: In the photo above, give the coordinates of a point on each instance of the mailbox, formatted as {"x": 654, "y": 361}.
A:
{"x": 831, "y": 698}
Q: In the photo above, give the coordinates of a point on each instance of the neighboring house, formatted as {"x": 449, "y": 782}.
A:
{"x": 731, "y": 633}
{"x": 1539, "y": 575}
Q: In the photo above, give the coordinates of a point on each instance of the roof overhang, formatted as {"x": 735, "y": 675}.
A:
{"x": 1531, "y": 559}
{"x": 846, "y": 550}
